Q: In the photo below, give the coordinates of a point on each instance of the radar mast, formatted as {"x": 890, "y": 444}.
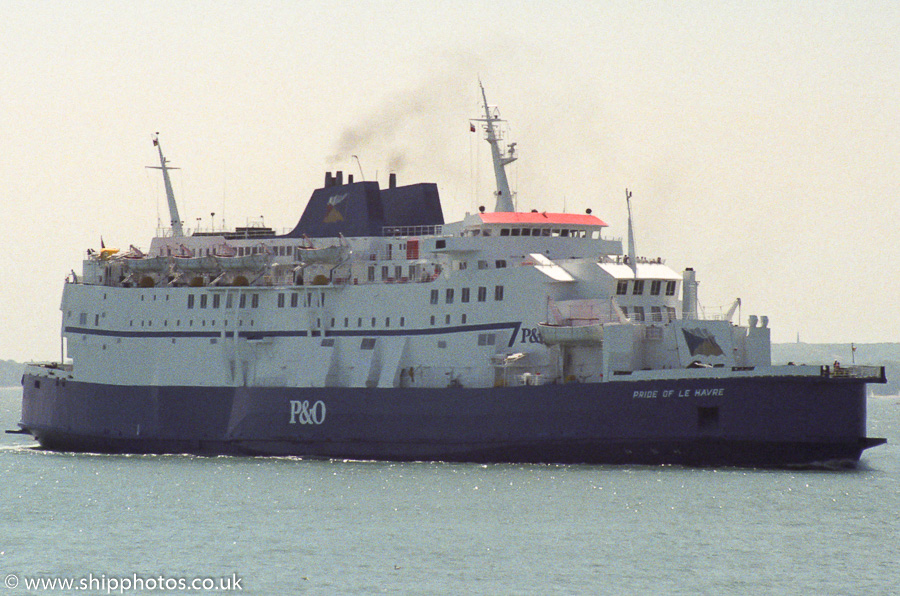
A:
{"x": 494, "y": 135}
{"x": 177, "y": 230}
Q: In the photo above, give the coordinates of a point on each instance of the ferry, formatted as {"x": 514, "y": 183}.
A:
{"x": 375, "y": 330}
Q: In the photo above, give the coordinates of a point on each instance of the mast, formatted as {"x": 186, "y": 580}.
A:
{"x": 177, "y": 230}
{"x": 493, "y": 136}
{"x": 632, "y": 255}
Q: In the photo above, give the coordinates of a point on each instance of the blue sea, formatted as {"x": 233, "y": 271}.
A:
{"x": 140, "y": 524}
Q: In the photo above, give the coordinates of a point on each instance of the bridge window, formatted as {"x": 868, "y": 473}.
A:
{"x": 622, "y": 287}
{"x": 504, "y": 231}
{"x": 655, "y": 287}
{"x": 638, "y": 313}
{"x": 638, "y": 287}
{"x": 670, "y": 288}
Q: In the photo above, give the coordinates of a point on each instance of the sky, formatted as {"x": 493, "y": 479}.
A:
{"x": 760, "y": 140}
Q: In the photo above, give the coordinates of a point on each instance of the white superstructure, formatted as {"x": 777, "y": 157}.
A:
{"x": 496, "y": 299}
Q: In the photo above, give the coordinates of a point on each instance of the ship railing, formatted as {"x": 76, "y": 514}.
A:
{"x": 404, "y": 231}
{"x": 854, "y": 371}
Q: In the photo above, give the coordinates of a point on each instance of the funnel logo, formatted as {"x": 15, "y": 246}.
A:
{"x": 332, "y": 215}
{"x": 702, "y": 342}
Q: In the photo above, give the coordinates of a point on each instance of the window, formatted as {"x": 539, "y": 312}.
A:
{"x": 482, "y": 294}
{"x": 449, "y": 295}
{"x": 384, "y": 272}
{"x": 500, "y": 263}
{"x": 434, "y": 296}
{"x": 526, "y": 231}
{"x": 328, "y": 342}
{"x": 670, "y": 288}
{"x": 398, "y": 272}
{"x": 498, "y": 293}
{"x": 243, "y": 301}
{"x": 295, "y": 299}
{"x": 656, "y": 313}
{"x": 371, "y": 272}
{"x": 486, "y": 339}
{"x": 670, "y": 310}
{"x": 482, "y": 264}
{"x": 462, "y": 319}
{"x": 504, "y": 232}
{"x": 217, "y": 299}
{"x": 432, "y": 319}
{"x": 373, "y": 321}
{"x": 387, "y": 322}
{"x": 367, "y": 343}
{"x": 229, "y": 301}
{"x": 464, "y": 297}
{"x": 190, "y": 301}
{"x": 359, "y": 322}
{"x": 446, "y": 319}
{"x": 202, "y": 300}
{"x": 655, "y": 287}
{"x": 622, "y": 287}
{"x": 402, "y": 321}
{"x": 516, "y": 231}
{"x": 280, "y": 300}
{"x": 442, "y": 343}
{"x": 254, "y": 300}
{"x": 638, "y": 313}
{"x": 638, "y": 287}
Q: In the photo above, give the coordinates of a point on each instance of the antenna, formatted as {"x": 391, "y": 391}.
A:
{"x": 361, "y": 175}
{"x": 493, "y": 136}
{"x": 177, "y": 230}
{"x": 632, "y": 257}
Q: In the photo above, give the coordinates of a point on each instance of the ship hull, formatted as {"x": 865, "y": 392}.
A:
{"x": 759, "y": 421}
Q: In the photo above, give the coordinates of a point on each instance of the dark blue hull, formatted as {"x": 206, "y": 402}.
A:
{"x": 746, "y": 421}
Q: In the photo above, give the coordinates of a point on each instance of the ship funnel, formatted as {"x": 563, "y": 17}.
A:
{"x": 689, "y": 294}
{"x": 392, "y": 180}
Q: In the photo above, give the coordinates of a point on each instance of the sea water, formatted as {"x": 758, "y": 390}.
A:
{"x": 135, "y": 524}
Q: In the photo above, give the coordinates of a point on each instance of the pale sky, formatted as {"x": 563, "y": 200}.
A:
{"x": 761, "y": 141}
